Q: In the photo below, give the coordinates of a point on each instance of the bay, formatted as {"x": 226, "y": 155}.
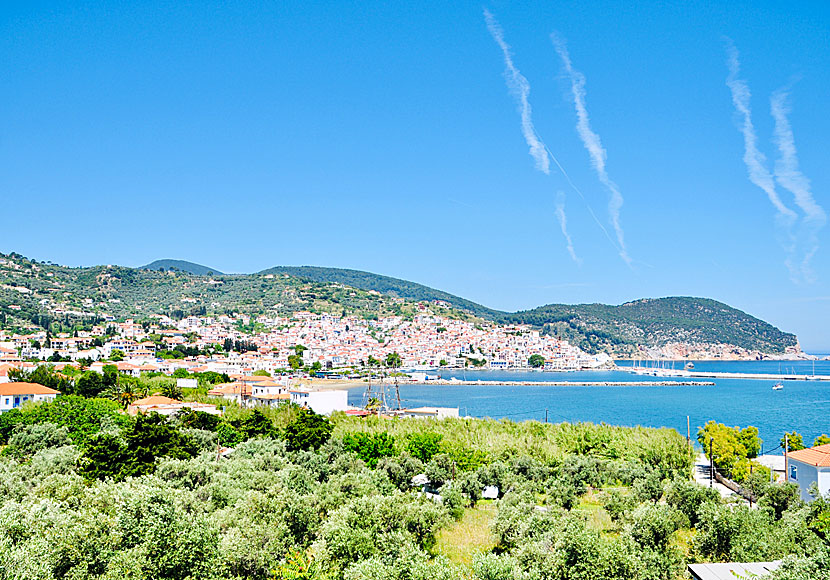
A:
{"x": 802, "y": 406}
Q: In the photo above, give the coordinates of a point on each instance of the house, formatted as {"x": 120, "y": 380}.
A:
{"x": 13, "y": 395}
{"x": 321, "y": 402}
{"x": 431, "y": 412}
{"x": 732, "y": 570}
{"x": 808, "y": 466}
{"x": 168, "y": 406}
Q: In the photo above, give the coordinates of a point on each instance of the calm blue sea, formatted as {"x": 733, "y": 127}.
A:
{"x": 802, "y": 406}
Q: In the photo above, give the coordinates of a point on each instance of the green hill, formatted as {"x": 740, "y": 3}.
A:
{"x": 384, "y": 285}
{"x": 182, "y": 266}
{"x": 44, "y": 295}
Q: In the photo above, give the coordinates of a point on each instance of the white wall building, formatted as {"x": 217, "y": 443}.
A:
{"x": 809, "y": 466}
{"x": 13, "y": 395}
{"x": 321, "y": 402}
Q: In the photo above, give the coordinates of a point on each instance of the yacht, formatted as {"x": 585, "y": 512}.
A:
{"x": 777, "y": 387}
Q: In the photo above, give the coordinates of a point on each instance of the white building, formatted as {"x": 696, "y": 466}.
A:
{"x": 13, "y": 395}
{"x": 809, "y": 466}
{"x": 431, "y": 412}
{"x": 321, "y": 402}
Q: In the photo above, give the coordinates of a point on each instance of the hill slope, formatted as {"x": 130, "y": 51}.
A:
{"x": 182, "y": 266}
{"x": 34, "y": 294}
{"x": 383, "y": 284}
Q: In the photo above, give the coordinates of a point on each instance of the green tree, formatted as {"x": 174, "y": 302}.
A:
{"x": 134, "y": 452}
{"x": 821, "y": 440}
{"x": 171, "y": 390}
{"x": 795, "y": 441}
{"x": 424, "y": 445}
{"x": 261, "y": 373}
{"x": 90, "y": 384}
{"x": 370, "y": 447}
{"x": 393, "y": 360}
{"x": 307, "y": 431}
{"x": 295, "y": 361}
{"x": 117, "y": 355}
{"x": 536, "y": 361}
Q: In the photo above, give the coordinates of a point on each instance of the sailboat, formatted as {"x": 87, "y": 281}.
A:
{"x": 777, "y": 387}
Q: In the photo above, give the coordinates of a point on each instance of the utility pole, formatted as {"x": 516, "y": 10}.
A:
{"x": 786, "y": 457}
{"x": 711, "y": 461}
{"x": 688, "y": 430}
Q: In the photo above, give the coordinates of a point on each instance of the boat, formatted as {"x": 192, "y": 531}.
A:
{"x": 689, "y": 366}
{"x": 777, "y": 387}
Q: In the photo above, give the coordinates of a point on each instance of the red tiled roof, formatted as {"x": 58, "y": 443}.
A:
{"x": 818, "y": 456}
{"x": 26, "y": 389}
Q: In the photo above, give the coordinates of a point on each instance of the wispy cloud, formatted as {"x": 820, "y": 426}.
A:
{"x": 520, "y": 89}
{"x": 753, "y": 158}
{"x": 593, "y": 144}
{"x": 789, "y": 176}
{"x": 563, "y": 225}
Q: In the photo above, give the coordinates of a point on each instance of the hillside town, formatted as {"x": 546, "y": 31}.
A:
{"x": 241, "y": 344}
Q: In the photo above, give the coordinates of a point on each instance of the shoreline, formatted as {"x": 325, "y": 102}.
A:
{"x": 338, "y": 384}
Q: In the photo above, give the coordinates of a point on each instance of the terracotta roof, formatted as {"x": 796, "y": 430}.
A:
{"x": 818, "y": 456}
{"x": 155, "y": 400}
{"x": 26, "y": 389}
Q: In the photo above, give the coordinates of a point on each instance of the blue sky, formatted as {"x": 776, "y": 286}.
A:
{"x": 383, "y": 137}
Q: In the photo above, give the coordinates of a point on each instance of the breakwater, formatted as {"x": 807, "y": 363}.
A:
{"x": 726, "y": 375}
{"x": 651, "y": 383}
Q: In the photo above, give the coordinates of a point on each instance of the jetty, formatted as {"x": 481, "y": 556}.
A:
{"x": 777, "y": 377}
{"x": 571, "y": 383}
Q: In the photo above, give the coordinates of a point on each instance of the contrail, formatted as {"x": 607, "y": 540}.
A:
{"x": 789, "y": 176}
{"x": 563, "y": 224}
{"x": 753, "y": 158}
{"x": 593, "y": 144}
{"x": 520, "y": 88}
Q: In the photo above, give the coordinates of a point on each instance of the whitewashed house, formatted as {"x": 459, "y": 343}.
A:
{"x": 808, "y": 466}
{"x": 13, "y": 395}
{"x": 321, "y": 402}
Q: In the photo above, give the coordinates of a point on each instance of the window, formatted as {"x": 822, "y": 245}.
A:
{"x": 793, "y": 472}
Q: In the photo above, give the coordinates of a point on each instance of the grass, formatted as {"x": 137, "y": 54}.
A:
{"x": 468, "y": 536}
{"x": 598, "y": 518}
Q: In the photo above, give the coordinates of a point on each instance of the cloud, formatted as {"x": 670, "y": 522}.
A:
{"x": 753, "y": 158}
{"x": 755, "y": 161}
{"x": 789, "y": 176}
{"x": 563, "y": 225}
{"x": 593, "y": 144}
{"x": 520, "y": 89}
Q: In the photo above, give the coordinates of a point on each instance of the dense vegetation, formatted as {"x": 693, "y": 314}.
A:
{"x": 89, "y": 493}
{"x": 84, "y": 295}
{"x": 182, "y": 266}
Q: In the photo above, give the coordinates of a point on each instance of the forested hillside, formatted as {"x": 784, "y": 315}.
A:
{"x": 45, "y": 294}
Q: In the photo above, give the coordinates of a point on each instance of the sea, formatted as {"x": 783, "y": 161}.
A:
{"x": 802, "y": 406}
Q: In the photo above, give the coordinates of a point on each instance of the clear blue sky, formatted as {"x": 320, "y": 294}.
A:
{"x": 383, "y": 137}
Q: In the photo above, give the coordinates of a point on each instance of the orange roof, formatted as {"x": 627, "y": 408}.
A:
{"x": 243, "y": 389}
{"x": 26, "y": 389}
{"x": 155, "y": 400}
{"x": 818, "y": 456}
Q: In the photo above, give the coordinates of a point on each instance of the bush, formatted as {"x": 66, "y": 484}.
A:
{"x": 370, "y": 447}
{"x": 688, "y": 496}
{"x": 424, "y": 446}
{"x": 307, "y": 431}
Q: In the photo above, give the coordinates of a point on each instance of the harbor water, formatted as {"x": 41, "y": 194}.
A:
{"x": 802, "y": 406}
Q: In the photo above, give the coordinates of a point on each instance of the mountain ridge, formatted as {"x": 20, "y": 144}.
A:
{"x": 182, "y": 265}
{"x": 57, "y": 297}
